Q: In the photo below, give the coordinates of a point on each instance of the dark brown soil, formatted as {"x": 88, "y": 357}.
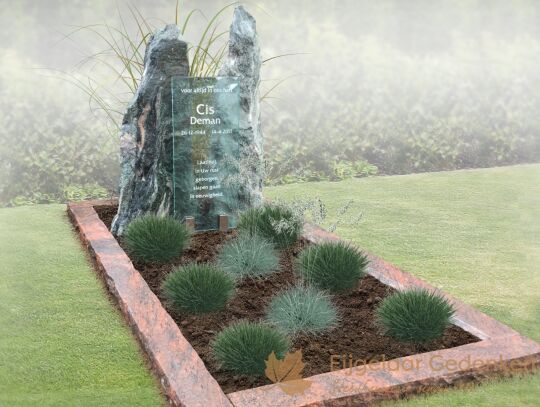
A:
{"x": 356, "y": 334}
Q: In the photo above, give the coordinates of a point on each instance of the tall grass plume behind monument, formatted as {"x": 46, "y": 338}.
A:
{"x": 123, "y": 55}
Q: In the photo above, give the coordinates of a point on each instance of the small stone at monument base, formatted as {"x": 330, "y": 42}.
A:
{"x": 223, "y": 223}
{"x": 189, "y": 222}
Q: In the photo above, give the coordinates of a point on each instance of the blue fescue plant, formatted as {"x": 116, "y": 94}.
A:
{"x": 248, "y": 256}
{"x": 302, "y": 309}
{"x": 244, "y": 346}
{"x": 198, "y": 288}
{"x": 332, "y": 266}
{"x": 151, "y": 238}
{"x": 416, "y": 316}
{"x": 275, "y": 222}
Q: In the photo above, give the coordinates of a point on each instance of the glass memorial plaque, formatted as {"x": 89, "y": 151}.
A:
{"x": 205, "y": 115}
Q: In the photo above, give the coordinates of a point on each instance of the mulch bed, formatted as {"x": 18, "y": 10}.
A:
{"x": 356, "y": 334}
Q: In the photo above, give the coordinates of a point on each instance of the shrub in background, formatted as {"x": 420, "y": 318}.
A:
{"x": 83, "y": 192}
{"x": 59, "y": 147}
{"x": 344, "y": 169}
{"x": 415, "y": 114}
{"x": 278, "y": 223}
{"x": 336, "y": 170}
{"x": 198, "y": 288}
{"x": 416, "y": 316}
{"x": 248, "y": 256}
{"x": 152, "y": 238}
{"x": 244, "y": 346}
{"x": 332, "y": 266}
{"x": 302, "y": 309}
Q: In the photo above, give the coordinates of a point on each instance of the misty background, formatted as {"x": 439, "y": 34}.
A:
{"x": 385, "y": 87}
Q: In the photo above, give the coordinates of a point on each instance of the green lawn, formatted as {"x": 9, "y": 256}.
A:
{"x": 475, "y": 234}
{"x": 62, "y": 343}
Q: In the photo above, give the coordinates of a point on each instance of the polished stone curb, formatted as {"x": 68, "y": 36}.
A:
{"x": 182, "y": 373}
{"x": 186, "y": 381}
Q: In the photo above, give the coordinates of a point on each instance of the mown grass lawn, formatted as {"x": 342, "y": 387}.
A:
{"x": 62, "y": 343}
{"x": 475, "y": 234}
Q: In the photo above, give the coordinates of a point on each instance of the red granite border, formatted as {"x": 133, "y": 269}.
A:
{"x": 186, "y": 381}
{"x": 182, "y": 373}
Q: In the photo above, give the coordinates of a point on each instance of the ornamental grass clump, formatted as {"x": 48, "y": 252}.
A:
{"x": 243, "y": 347}
{"x": 416, "y": 316}
{"x": 198, "y": 288}
{"x": 152, "y": 238}
{"x": 302, "y": 309}
{"x": 277, "y": 223}
{"x": 248, "y": 256}
{"x": 332, "y": 266}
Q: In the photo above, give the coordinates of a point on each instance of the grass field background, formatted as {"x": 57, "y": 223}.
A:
{"x": 475, "y": 234}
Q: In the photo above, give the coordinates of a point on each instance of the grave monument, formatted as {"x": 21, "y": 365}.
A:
{"x": 192, "y": 147}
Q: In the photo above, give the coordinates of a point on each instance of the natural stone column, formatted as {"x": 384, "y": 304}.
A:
{"x": 244, "y": 62}
{"x": 146, "y": 132}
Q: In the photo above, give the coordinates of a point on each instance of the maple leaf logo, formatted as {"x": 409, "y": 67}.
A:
{"x": 286, "y": 373}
